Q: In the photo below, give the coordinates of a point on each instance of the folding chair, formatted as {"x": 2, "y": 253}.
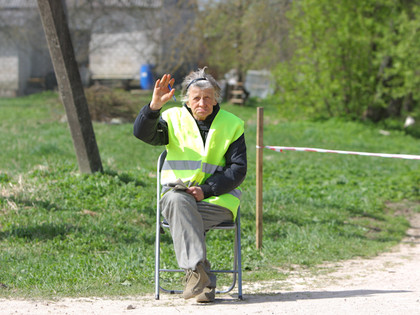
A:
{"x": 231, "y": 225}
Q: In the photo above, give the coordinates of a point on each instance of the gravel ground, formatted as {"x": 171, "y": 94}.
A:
{"x": 387, "y": 284}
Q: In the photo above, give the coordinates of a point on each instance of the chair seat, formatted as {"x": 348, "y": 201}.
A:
{"x": 226, "y": 225}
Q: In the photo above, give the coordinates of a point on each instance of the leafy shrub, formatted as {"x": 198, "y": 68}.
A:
{"x": 106, "y": 103}
{"x": 357, "y": 59}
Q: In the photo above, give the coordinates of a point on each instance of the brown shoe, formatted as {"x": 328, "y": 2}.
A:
{"x": 207, "y": 296}
{"x": 195, "y": 281}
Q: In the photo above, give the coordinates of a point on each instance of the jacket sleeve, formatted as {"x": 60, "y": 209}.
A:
{"x": 232, "y": 175}
{"x": 150, "y": 127}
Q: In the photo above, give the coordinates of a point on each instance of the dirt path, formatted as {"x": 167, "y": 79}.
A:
{"x": 387, "y": 284}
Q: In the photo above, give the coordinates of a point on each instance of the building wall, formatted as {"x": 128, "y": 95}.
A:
{"x": 24, "y": 70}
{"x": 9, "y": 82}
{"x": 21, "y": 38}
{"x": 120, "y": 55}
{"x": 9, "y": 65}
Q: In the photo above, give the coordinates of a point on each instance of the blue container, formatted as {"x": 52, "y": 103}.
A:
{"x": 146, "y": 77}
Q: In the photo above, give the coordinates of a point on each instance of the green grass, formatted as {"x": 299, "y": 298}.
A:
{"x": 67, "y": 234}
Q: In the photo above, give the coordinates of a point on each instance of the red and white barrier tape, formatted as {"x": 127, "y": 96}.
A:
{"x": 386, "y": 155}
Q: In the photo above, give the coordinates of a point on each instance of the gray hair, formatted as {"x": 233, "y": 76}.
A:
{"x": 201, "y": 80}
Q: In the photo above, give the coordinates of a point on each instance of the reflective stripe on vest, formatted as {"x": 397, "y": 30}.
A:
{"x": 191, "y": 165}
{"x": 189, "y": 159}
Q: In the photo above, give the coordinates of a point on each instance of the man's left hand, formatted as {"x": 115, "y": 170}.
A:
{"x": 196, "y": 192}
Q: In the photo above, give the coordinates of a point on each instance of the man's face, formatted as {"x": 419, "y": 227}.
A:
{"x": 201, "y": 102}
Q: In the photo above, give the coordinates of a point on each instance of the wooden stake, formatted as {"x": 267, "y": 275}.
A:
{"x": 70, "y": 84}
{"x": 259, "y": 180}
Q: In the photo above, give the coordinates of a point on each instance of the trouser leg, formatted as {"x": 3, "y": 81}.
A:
{"x": 188, "y": 222}
{"x": 186, "y": 226}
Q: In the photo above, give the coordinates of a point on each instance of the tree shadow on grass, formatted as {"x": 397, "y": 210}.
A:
{"x": 49, "y": 231}
{"x": 42, "y": 232}
{"x": 32, "y": 203}
{"x": 125, "y": 177}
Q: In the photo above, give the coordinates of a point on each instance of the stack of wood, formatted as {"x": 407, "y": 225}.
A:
{"x": 238, "y": 94}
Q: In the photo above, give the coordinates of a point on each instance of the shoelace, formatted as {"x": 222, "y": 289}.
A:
{"x": 188, "y": 275}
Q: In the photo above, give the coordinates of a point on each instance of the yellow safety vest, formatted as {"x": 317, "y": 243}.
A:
{"x": 193, "y": 161}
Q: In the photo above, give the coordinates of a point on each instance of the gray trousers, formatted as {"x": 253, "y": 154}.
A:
{"x": 189, "y": 220}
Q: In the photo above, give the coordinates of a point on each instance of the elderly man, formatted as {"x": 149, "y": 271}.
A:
{"x": 206, "y": 157}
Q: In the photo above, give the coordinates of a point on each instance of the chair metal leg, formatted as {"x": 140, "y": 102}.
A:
{"x": 236, "y": 271}
{"x": 239, "y": 256}
{"x": 157, "y": 261}
{"x": 157, "y": 271}
{"x": 237, "y": 263}
{"x": 157, "y": 245}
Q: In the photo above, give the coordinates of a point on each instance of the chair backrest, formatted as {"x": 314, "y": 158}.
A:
{"x": 159, "y": 166}
{"x": 161, "y": 160}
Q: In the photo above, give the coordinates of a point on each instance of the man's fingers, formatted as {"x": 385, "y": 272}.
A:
{"x": 166, "y": 78}
{"x": 162, "y": 92}
{"x": 171, "y": 82}
{"x": 157, "y": 83}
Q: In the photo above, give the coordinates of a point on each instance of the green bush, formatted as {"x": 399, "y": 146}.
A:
{"x": 354, "y": 59}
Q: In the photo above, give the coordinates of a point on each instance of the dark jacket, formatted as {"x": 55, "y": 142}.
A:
{"x": 152, "y": 129}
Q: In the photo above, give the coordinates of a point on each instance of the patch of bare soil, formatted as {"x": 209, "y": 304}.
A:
{"x": 386, "y": 284}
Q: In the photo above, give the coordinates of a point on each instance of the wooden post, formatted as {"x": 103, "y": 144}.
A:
{"x": 70, "y": 84}
{"x": 259, "y": 177}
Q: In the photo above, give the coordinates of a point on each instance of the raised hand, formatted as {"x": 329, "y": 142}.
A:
{"x": 161, "y": 92}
